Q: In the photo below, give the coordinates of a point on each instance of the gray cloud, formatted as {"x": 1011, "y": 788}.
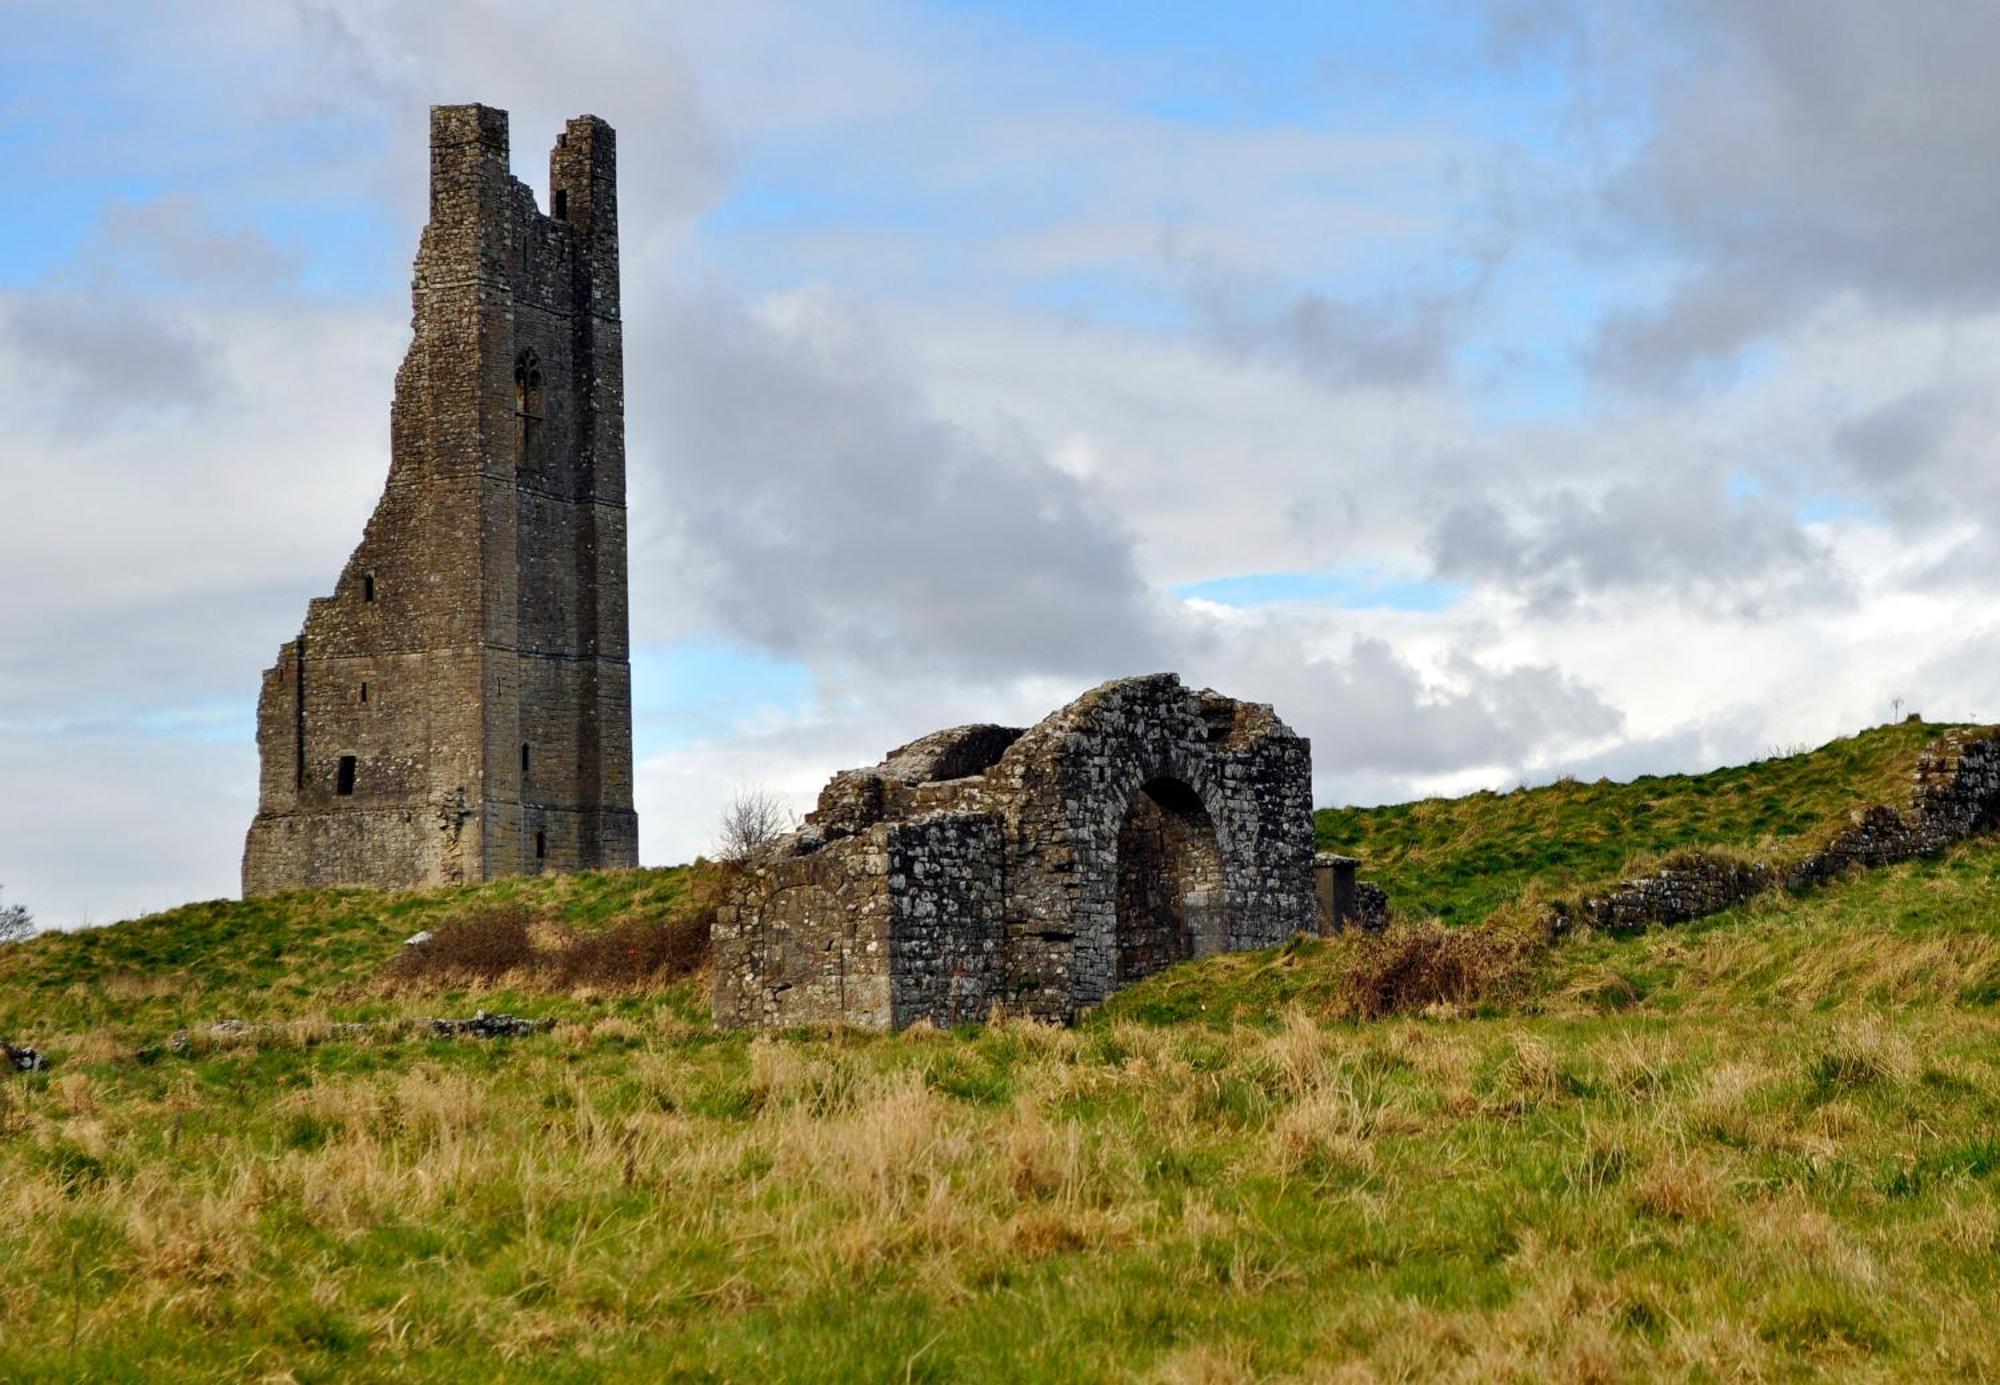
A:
{"x": 1373, "y": 713}
{"x": 1387, "y": 340}
{"x": 1379, "y": 727}
{"x": 1341, "y": 343}
{"x": 97, "y": 356}
{"x": 172, "y": 243}
{"x": 827, "y": 513}
{"x": 1798, "y": 151}
{"x": 1923, "y": 458}
{"x": 1899, "y": 441}
{"x": 1702, "y": 328}
{"x": 1741, "y": 556}
{"x": 119, "y": 329}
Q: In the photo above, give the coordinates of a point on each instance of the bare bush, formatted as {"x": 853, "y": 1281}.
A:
{"x": 752, "y": 821}
{"x": 17, "y": 925}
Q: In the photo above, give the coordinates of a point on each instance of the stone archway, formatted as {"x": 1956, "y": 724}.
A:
{"x": 1171, "y": 882}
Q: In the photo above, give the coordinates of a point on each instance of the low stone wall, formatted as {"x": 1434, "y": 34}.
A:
{"x": 1343, "y": 901}
{"x": 1691, "y": 885}
{"x": 1955, "y": 793}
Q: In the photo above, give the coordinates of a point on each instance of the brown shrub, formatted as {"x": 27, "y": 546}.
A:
{"x": 538, "y": 949}
{"x": 633, "y": 951}
{"x": 480, "y": 946}
{"x": 1412, "y": 967}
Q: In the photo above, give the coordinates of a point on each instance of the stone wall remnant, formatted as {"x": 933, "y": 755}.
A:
{"x": 1955, "y": 793}
{"x": 460, "y": 707}
{"x": 1032, "y": 871}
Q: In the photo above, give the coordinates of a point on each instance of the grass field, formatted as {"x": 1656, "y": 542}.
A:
{"x": 1766, "y": 1146}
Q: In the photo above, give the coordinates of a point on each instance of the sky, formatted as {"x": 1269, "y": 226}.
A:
{"x": 1502, "y": 389}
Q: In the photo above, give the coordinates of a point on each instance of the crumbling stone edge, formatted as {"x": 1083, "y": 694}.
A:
{"x": 1955, "y": 794}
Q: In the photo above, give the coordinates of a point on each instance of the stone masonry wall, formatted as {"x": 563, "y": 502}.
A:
{"x": 945, "y": 933}
{"x": 805, "y": 939}
{"x": 460, "y": 707}
{"x": 1036, "y": 871}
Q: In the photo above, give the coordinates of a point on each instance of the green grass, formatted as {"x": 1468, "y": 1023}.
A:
{"x": 1757, "y": 1147}
{"x": 1461, "y": 859}
{"x": 316, "y": 952}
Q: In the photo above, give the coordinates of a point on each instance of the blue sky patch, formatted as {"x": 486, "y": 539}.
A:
{"x": 704, "y": 689}
{"x": 1354, "y": 590}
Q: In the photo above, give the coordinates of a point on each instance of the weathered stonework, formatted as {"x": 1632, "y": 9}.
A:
{"x": 460, "y": 707}
{"x": 1033, "y": 872}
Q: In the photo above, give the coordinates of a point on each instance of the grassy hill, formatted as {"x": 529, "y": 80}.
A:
{"x": 1461, "y": 858}
{"x": 1761, "y": 1146}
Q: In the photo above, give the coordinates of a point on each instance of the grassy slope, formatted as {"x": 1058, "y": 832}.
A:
{"x": 1459, "y": 859}
{"x": 1760, "y": 1146}
{"x": 314, "y": 953}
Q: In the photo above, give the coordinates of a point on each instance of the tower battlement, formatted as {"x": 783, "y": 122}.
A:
{"x": 460, "y": 707}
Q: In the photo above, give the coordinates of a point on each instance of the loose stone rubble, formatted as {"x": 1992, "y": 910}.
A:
{"x": 1371, "y": 906}
{"x": 1955, "y": 793}
{"x": 22, "y": 1059}
{"x": 232, "y": 1033}
{"x": 1031, "y": 872}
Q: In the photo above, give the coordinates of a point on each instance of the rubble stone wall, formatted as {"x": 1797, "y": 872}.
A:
{"x": 1037, "y": 871}
{"x": 945, "y": 935}
{"x": 805, "y": 939}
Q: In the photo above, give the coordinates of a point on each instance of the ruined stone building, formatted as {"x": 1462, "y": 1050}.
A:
{"x": 1034, "y": 871}
{"x": 460, "y": 707}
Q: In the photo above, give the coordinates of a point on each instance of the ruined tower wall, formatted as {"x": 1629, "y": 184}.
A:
{"x": 460, "y": 707}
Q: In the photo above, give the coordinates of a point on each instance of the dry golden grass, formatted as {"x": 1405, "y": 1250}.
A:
{"x": 1596, "y": 1199}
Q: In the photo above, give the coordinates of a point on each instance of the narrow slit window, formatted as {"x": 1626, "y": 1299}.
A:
{"x": 524, "y": 757}
{"x": 528, "y": 407}
{"x": 562, "y": 205}
{"x": 364, "y": 692}
{"x": 343, "y": 780}
{"x": 368, "y": 587}
{"x": 541, "y": 845}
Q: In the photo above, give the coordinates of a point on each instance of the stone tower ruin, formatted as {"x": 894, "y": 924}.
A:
{"x": 460, "y": 708}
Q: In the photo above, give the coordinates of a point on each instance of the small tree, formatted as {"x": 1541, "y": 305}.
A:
{"x": 17, "y": 925}
{"x": 752, "y": 821}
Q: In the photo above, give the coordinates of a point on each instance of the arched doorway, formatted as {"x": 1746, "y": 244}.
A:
{"x": 1170, "y": 881}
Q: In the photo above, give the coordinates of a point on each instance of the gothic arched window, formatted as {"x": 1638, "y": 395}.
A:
{"x": 528, "y": 407}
